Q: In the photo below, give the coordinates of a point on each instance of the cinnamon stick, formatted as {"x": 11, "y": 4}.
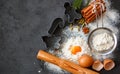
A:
{"x": 93, "y": 17}
{"x": 97, "y": 13}
{"x": 99, "y": 0}
{"x": 91, "y": 12}
{"x": 85, "y": 10}
{"x": 89, "y": 7}
{"x": 88, "y": 13}
{"x": 64, "y": 64}
{"x": 98, "y": 7}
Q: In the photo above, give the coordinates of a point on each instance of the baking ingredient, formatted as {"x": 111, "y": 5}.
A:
{"x": 81, "y": 21}
{"x": 53, "y": 68}
{"x": 108, "y": 64}
{"x": 97, "y": 65}
{"x": 64, "y": 64}
{"x": 85, "y": 60}
{"x": 85, "y": 30}
{"x": 81, "y": 44}
{"x": 102, "y": 41}
{"x": 75, "y": 49}
{"x": 93, "y": 10}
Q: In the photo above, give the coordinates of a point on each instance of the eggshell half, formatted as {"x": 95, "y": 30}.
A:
{"x": 109, "y": 64}
{"x": 97, "y": 65}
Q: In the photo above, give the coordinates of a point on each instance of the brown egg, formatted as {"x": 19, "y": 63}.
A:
{"x": 85, "y": 60}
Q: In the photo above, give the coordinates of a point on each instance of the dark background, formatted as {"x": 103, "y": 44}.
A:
{"x": 22, "y": 23}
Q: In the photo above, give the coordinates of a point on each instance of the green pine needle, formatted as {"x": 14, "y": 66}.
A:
{"x": 88, "y": 2}
{"x": 77, "y": 4}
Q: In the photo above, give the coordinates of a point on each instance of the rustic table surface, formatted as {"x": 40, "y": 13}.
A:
{"x": 22, "y": 23}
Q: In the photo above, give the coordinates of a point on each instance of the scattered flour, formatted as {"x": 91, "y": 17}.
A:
{"x": 74, "y": 41}
{"x": 39, "y": 71}
{"x": 54, "y": 68}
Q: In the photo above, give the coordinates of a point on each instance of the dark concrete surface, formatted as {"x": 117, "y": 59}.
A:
{"x": 22, "y": 23}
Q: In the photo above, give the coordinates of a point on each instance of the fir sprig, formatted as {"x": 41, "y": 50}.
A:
{"x": 77, "y": 4}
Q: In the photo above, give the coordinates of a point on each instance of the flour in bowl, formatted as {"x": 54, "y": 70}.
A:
{"x": 103, "y": 41}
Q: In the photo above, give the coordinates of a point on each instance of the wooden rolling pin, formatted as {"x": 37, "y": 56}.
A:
{"x": 64, "y": 64}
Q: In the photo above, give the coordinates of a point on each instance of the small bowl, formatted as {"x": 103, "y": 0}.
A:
{"x": 99, "y": 31}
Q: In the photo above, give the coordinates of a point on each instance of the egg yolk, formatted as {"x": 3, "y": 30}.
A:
{"x": 75, "y": 49}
